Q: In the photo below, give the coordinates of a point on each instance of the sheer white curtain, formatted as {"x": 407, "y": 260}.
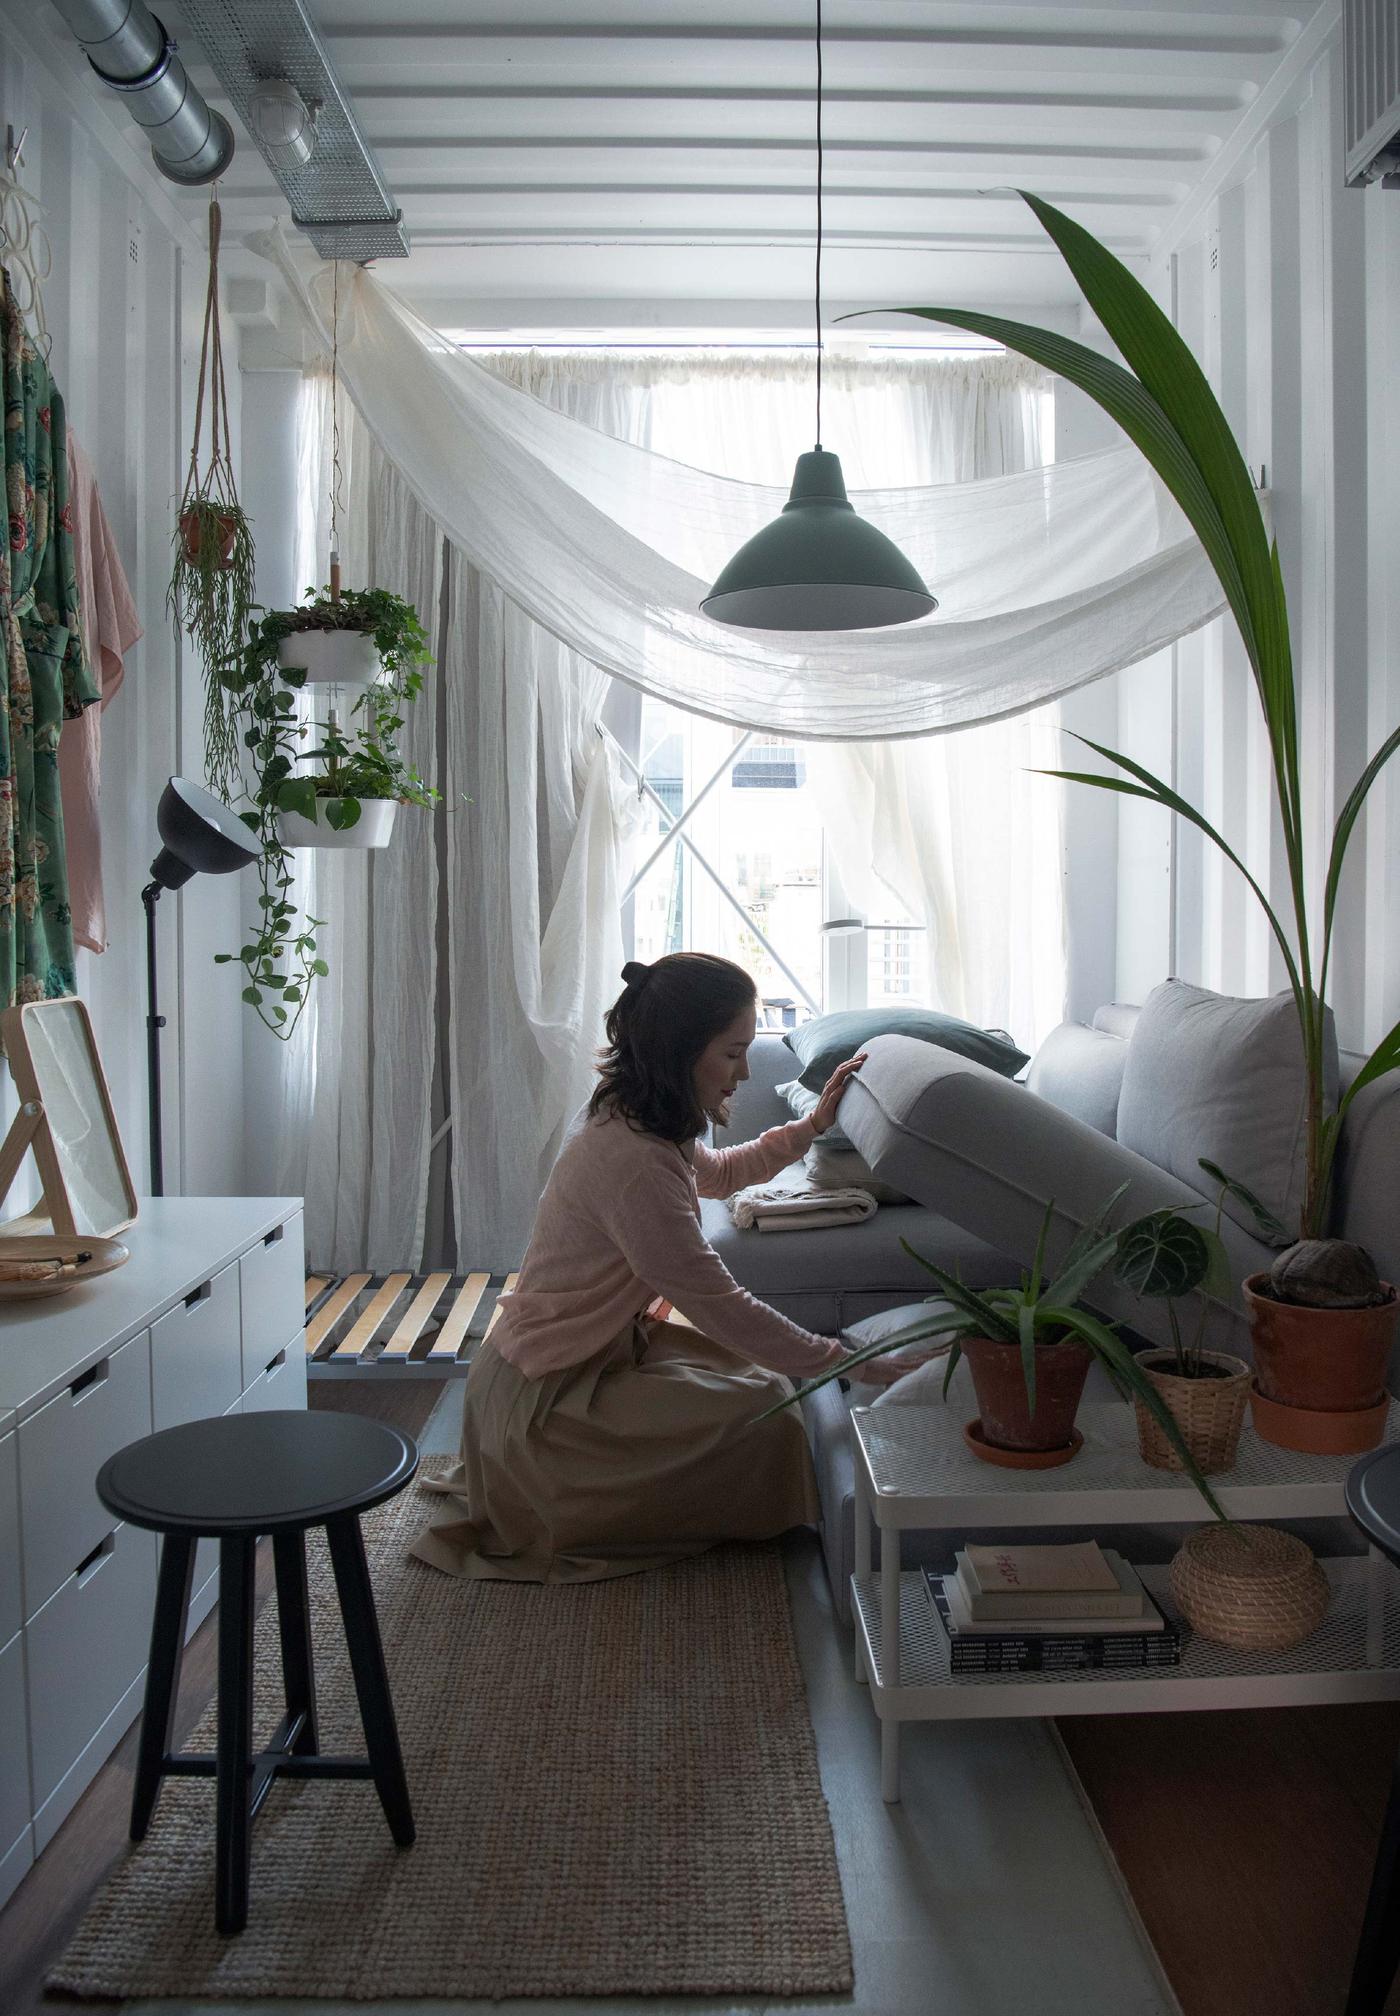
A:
{"x": 471, "y": 961}
{"x": 951, "y": 831}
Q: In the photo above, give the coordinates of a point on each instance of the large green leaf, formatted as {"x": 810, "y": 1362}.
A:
{"x": 1384, "y": 1058}
{"x": 1166, "y": 367}
{"x": 967, "y": 1300}
{"x": 1341, "y": 838}
{"x": 1142, "y": 419}
{"x": 1150, "y": 786}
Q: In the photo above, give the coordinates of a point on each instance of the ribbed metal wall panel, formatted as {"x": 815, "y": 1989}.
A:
{"x": 1371, "y": 55}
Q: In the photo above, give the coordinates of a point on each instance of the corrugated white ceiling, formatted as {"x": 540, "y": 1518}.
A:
{"x": 619, "y": 153}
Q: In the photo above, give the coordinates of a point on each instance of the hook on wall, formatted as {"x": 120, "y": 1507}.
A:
{"x": 14, "y": 149}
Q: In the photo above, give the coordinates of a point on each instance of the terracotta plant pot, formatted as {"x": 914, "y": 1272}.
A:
{"x": 1322, "y": 1358}
{"x": 192, "y": 525}
{"x": 1209, "y": 1412}
{"x": 1000, "y": 1386}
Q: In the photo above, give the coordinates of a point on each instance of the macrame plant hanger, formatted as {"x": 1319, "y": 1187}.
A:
{"x": 211, "y": 588}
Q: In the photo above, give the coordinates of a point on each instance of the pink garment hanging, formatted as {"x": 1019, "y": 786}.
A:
{"x": 110, "y": 628}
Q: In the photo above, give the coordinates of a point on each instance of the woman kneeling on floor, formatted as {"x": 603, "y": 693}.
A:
{"x": 597, "y": 1440}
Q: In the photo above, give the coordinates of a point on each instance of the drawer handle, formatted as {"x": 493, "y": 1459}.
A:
{"x": 276, "y": 1363}
{"x": 271, "y": 1238}
{"x": 94, "y": 1376}
{"x": 92, "y": 1563}
{"x": 200, "y": 1294}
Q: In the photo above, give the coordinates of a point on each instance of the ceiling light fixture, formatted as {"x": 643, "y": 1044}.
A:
{"x": 818, "y": 566}
{"x": 283, "y": 124}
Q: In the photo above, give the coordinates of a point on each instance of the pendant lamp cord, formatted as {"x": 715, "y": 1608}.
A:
{"x": 819, "y": 224}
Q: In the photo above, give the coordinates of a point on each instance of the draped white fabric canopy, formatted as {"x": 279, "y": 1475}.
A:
{"x": 1046, "y": 580}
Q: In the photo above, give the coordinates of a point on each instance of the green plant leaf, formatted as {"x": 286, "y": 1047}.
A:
{"x": 967, "y": 1300}
{"x": 253, "y": 996}
{"x": 1384, "y": 1058}
{"x": 1026, "y": 1326}
{"x": 342, "y": 813}
{"x": 1341, "y": 838}
{"x": 1162, "y": 1256}
{"x": 297, "y": 794}
{"x": 1076, "y": 1275}
{"x": 1273, "y": 1231}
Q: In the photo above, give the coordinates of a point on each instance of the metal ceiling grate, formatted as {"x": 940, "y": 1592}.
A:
{"x": 339, "y": 199}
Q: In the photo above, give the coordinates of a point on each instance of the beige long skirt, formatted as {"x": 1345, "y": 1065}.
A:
{"x": 645, "y": 1453}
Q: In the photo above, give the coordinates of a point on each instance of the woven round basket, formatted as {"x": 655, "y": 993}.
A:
{"x": 1209, "y": 1412}
{"x": 1249, "y": 1587}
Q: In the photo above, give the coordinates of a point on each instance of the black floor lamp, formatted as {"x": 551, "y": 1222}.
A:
{"x": 199, "y": 836}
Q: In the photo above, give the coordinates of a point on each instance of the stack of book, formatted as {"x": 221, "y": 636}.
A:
{"x": 1049, "y": 1609}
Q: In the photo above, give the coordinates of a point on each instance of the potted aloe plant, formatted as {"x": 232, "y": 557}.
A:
{"x": 1029, "y": 1349}
{"x": 1322, "y": 1321}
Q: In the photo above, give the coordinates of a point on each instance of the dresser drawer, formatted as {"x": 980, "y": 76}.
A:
{"x": 272, "y": 1280}
{"x": 14, "y": 1747}
{"x": 196, "y": 1361}
{"x": 11, "y": 1607}
{"x": 84, "y": 1649}
{"x": 282, "y": 1383}
{"x": 61, "y": 1450}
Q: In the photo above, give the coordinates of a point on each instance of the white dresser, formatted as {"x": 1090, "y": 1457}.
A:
{"x": 205, "y": 1318}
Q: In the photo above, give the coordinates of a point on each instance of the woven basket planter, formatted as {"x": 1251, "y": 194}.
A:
{"x": 1249, "y": 1587}
{"x": 1209, "y": 1412}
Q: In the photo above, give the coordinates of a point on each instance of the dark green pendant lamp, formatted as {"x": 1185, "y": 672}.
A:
{"x": 818, "y": 566}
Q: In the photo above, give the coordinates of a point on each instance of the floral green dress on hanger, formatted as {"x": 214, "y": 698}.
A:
{"x": 46, "y": 675}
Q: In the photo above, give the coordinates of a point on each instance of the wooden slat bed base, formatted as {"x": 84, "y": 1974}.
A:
{"x": 365, "y": 1327}
{"x": 363, "y": 1320}
{"x": 453, "y": 1332}
{"x": 332, "y": 1309}
{"x": 411, "y": 1323}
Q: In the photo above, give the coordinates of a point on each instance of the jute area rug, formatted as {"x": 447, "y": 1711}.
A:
{"x": 615, "y": 1786}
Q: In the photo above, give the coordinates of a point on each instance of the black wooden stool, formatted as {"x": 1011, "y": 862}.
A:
{"x": 1373, "y": 1500}
{"x": 235, "y": 1479}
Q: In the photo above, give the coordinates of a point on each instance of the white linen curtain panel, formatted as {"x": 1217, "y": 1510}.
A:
{"x": 1047, "y": 579}
{"x": 425, "y": 1093}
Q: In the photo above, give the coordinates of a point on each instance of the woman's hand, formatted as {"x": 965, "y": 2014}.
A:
{"x": 824, "y": 1112}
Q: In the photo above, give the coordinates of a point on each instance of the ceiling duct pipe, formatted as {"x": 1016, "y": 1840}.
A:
{"x": 131, "y": 52}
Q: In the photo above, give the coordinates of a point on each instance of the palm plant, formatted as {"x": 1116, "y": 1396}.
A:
{"x": 1161, "y": 399}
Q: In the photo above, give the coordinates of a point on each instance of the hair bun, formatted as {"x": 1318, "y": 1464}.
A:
{"x": 634, "y": 973}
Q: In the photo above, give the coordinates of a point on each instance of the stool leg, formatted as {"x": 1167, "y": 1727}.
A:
{"x": 294, "y": 1624}
{"x": 162, "y": 1676}
{"x": 233, "y": 1820}
{"x": 347, "y": 1549}
{"x": 1378, "y": 1953}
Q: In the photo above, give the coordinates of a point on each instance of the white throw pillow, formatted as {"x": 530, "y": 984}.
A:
{"x": 1209, "y": 1075}
{"x": 922, "y": 1385}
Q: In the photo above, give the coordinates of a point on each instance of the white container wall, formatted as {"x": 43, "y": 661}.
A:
{"x": 124, "y": 306}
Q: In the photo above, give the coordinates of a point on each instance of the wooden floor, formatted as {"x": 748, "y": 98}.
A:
{"x": 40, "y": 1918}
{"x": 1245, "y": 1839}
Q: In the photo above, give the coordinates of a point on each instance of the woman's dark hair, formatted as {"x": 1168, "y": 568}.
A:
{"x": 658, "y": 1026}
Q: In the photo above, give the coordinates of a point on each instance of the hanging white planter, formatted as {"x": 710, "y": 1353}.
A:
{"x": 340, "y": 657}
{"x": 372, "y": 829}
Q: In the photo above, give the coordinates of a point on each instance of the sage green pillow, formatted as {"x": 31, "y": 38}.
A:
{"x": 828, "y": 1040}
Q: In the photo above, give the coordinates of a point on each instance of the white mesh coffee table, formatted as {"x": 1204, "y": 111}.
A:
{"x": 914, "y": 1472}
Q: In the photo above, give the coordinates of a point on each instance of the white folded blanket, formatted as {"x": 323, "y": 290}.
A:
{"x": 798, "y": 1207}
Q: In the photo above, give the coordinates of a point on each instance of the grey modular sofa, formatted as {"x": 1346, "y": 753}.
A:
{"x": 983, "y": 1156}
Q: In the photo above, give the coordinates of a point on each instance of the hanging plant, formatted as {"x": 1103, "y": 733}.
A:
{"x": 211, "y": 584}
{"x": 356, "y": 778}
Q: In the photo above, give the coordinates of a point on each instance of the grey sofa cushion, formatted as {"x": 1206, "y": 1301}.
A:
{"x": 990, "y": 1155}
{"x": 826, "y": 1280}
{"x": 1081, "y": 1071}
{"x": 1209, "y": 1075}
{"x": 801, "y": 1104}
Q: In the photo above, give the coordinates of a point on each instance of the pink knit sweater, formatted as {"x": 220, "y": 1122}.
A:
{"x": 619, "y": 1225}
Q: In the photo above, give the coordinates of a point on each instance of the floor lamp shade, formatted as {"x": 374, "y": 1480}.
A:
{"x": 819, "y": 565}
{"x": 199, "y": 835}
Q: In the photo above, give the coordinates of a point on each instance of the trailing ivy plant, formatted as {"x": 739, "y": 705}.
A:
{"x": 1162, "y": 400}
{"x": 281, "y": 957}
